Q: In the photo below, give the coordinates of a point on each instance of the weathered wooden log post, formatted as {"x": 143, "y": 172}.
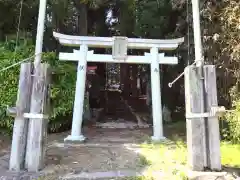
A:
{"x": 203, "y": 137}
{"x": 37, "y": 134}
{"x": 37, "y": 129}
{"x": 213, "y": 132}
{"x": 20, "y": 129}
{"x": 203, "y": 143}
{"x": 195, "y": 126}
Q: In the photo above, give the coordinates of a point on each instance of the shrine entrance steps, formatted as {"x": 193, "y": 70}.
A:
{"x": 115, "y": 107}
{"x": 138, "y": 107}
{"x": 119, "y": 114}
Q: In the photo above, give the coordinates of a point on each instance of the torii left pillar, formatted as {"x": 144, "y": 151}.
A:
{"x": 156, "y": 96}
{"x": 76, "y": 133}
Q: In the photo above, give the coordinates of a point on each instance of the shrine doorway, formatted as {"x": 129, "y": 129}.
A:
{"x": 107, "y": 104}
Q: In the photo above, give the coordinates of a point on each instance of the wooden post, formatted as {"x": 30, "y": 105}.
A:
{"x": 195, "y": 126}
{"x": 37, "y": 126}
{"x": 197, "y": 33}
{"x": 40, "y": 31}
{"x": 20, "y": 128}
{"x": 214, "y": 154}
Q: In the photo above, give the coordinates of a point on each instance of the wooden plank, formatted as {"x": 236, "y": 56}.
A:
{"x": 20, "y": 128}
{"x": 137, "y": 43}
{"x": 214, "y": 155}
{"x": 108, "y": 58}
{"x": 195, "y": 127}
{"x": 37, "y": 127}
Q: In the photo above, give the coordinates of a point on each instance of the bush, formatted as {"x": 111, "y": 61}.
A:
{"x": 62, "y": 93}
{"x": 62, "y": 86}
{"x": 9, "y": 78}
{"x": 232, "y": 132}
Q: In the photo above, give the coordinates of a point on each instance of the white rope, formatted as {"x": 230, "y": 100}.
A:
{"x": 188, "y": 46}
{"x": 18, "y": 29}
{"x": 179, "y": 76}
{"x": 15, "y": 64}
{"x": 16, "y": 41}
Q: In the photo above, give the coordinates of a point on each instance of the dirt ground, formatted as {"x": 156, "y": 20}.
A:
{"x": 106, "y": 150}
{"x": 107, "y": 153}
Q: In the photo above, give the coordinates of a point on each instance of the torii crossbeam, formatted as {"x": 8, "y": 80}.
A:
{"x": 119, "y": 47}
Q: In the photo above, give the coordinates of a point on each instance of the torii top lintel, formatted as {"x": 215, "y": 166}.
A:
{"x": 107, "y": 42}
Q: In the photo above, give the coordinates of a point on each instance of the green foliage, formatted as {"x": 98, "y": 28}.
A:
{"x": 221, "y": 39}
{"x": 232, "y": 132}
{"x": 62, "y": 85}
{"x": 62, "y": 92}
{"x": 152, "y": 18}
{"x": 9, "y": 78}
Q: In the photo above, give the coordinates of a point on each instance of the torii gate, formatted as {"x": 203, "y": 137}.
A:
{"x": 119, "y": 47}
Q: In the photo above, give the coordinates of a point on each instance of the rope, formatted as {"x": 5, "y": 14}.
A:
{"x": 188, "y": 45}
{"x": 178, "y": 77}
{"x": 15, "y": 64}
{"x": 18, "y": 29}
{"x": 16, "y": 45}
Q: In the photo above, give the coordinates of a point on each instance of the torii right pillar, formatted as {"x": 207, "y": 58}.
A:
{"x": 203, "y": 136}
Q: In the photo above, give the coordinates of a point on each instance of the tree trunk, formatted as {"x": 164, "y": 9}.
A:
{"x": 82, "y": 17}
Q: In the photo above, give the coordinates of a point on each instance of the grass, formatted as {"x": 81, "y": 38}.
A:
{"x": 165, "y": 160}
{"x": 170, "y": 158}
{"x": 230, "y": 154}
